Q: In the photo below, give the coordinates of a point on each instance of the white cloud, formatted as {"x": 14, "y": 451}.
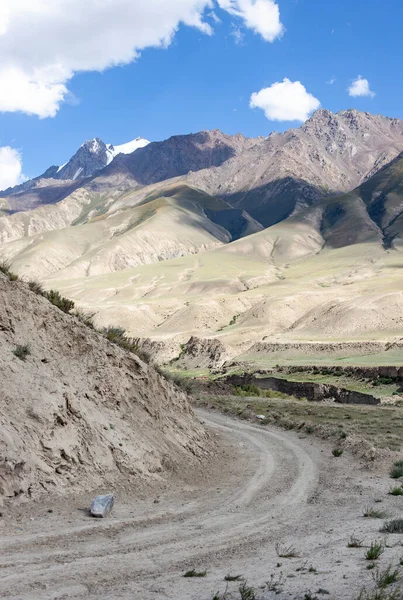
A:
{"x": 43, "y": 43}
{"x": 360, "y": 87}
{"x": 262, "y": 16}
{"x": 10, "y": 167}
{"x": 331, "y": 81}
{"x": 285, "y": 101}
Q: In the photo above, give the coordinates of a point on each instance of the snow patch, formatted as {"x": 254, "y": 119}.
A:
{"x": 127, "y": 148}
{"x": 61, "y": 167}
{"x": 78, "y": 173}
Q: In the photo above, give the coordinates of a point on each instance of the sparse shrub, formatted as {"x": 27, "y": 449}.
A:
{"x": 62, "y": 303}
{"x": 337, "y": 452}
{"x": 380, "y": 594}
{"x": 309, "y": 596}
{"x": 5, "y": 268}
{"x": 309, "y": 429}
{"x": 36, "y": 287}
{"x": 373, "y": 513}
{"x": 323, "y": 592}
{"x": 219, "y": 596}
{"x": 354, "y": 542}
{"x": 194, "y": 573}
{"x": 384, "y": 578}
{"x": 117, "y": 335}
{"x": 285, "y": 551}
{"x": 393, "y": 526}
{"x": 246, "y": 592}
{"x": 397, "y": 469}
{"x": 375, "y": 550}
{"x": 232, "y": 577}
{"x": 247, "y": 390}
{"x": 275, "y": 585}
{"x": 85, "y": 318}
{"x": 22, "y": 351}
{"x": 396, "y": 491}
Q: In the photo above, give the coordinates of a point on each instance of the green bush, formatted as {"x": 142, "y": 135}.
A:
{"x": 5, "y": 268}
{"x": 62, "y": 303}
{"x": 393, "y": 526}
{"x": 22, "y": 351}
{"x": 375, "y": 550}
{"x": 337, "y": 452}
{"x": 36, "y": 287}
{"x": 247, "y": 390}
{"x": 397, "y": 469}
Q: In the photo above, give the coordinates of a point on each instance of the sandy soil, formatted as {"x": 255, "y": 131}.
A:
{"x": 265, "y": 486}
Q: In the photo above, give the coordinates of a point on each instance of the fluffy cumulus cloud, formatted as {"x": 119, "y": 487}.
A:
{"x": 285, "y": 101}
{"x": 10, "y": 167}
{"x": 360, "y": 87}
{"x": 262, "y": 16}
{"x": 43, "y": 43}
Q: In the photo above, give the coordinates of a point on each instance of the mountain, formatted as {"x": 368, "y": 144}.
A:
{"x": 291, "y": 237}
{"x": 57, "y": 182}
{"x": 169, "y": 222}
{"x": 93, "y": 156}
{"x": 330, "y": 153}
{"x": 330, "y": 273}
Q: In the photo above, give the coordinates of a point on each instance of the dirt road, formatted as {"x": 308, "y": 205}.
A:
{"x": 265, "y": 486}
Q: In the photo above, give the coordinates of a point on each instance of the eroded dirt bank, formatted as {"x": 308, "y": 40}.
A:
{"x": 265, "y": 486}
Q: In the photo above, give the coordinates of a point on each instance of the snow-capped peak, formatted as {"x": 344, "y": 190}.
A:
{"x": 127, "y": 148}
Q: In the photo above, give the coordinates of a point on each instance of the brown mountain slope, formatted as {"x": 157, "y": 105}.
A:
{"x": 80, "y": 413}
{"x": 284, "y": 172}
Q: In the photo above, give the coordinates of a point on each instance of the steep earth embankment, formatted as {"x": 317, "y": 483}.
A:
{"x": 79, "y": 412}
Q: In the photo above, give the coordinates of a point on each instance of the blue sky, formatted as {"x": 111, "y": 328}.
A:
{"x": 201, "y": 80}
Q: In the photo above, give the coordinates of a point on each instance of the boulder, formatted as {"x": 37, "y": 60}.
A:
{"x": 101, "y": 506}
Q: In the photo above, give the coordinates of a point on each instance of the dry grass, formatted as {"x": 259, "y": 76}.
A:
{"x": 381, "y": 426}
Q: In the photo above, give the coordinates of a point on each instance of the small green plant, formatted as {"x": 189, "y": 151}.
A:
{"x": 62, "y": 303}
{"x": 22, "y": 351}
{"x": 285, "y": 551}
{"x": 396, "y": 491}
{"x": 247, "y": 390}
{"x": 323, "y": 592}
{"x": 275, "y": 584}
{"x": 393, "y": 526}
{"x": 397, "y": 469}
{"x": 310, "y": 596}
{"x": 219, "y": 596}
{"x": 36, "y": 287}
{"x": 337, "y": 452}
{"x": 380, "y": 594}
{"x": 354, "y": 542}
{"x": 373, "y": 513}
{"x": 85, "y": 318}
{"x": 386, "y": 577}
{"x": 375, "y": 550}
{"x": 247, "y": 592}
{"x": 194, "y": 573}
{"x": 233, "y": 577}
{"x": 5, "y": 268}
{"x": 309, "y": 429}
